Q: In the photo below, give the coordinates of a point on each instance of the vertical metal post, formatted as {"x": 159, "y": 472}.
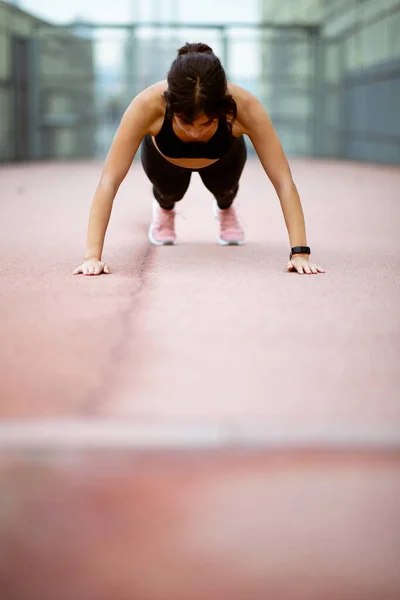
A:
{"x": 318, "y": 94}
{"x": 174, "y": 17}
{"x": 20, "y": 76}
{"x": 131, "y": 64}
{"x": 225, "y": 50}
{"x": 131, "y": 71}
{"x": 265, "y": 51}
{"x": 157, "y": 50}
{"x": 34, "y": 82}
{"x": 342, "y": 100}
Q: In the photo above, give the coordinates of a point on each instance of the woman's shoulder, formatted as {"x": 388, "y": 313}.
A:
{"x": 241, "y": 96}
{"x": 147, "y": 107}
{"x": 244, "y": 102}
{"x": 152, "y": 96}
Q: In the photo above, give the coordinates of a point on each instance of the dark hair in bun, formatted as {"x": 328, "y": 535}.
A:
{"x": 198, "y": 48}
{"x": 197, "y": 83}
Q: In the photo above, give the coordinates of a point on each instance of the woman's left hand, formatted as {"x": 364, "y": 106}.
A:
{"x": 302, "y": 265}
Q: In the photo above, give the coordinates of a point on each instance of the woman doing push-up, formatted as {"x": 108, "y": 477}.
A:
{"x": 195, "y": 121}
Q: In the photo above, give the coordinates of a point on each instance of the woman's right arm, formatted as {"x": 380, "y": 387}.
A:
{"x": 133, "y": 127}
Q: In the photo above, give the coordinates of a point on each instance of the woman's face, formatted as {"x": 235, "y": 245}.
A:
{"x": 198, "y": 128}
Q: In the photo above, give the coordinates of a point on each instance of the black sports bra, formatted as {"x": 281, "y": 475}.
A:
{"x": 170, "y": 145}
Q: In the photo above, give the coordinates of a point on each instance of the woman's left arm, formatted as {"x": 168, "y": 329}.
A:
{"x": 257, "y": 125}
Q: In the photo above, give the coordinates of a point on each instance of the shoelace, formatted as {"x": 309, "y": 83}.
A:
{"x": 229, "y": 219}
{"x": 165, "y": 218}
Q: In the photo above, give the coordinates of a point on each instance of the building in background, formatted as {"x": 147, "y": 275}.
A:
{"x": 362, "y": 69}
{"x": 328, "y": 73}
{"x": 149, "y": 51}
{"x": 148, "y": 59}
{"x": 46, "y": 89}
{"x": 339, "y": 94}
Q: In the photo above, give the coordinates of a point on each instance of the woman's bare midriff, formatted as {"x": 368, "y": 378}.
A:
{"x": 188, "y": 163}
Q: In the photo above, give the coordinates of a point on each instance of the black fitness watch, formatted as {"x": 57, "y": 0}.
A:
{"x": 299, "y": 250}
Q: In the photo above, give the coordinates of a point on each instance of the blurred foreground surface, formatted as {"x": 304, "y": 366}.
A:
{"x": 189, "y": 526}
{"x": 208, "y": 336}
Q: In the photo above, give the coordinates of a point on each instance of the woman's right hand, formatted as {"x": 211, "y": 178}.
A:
{"x": 92, "y": 266}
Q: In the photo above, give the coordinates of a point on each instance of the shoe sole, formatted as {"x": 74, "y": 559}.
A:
{"x": 152, "y": 239}
{"x": 225, "y": 243}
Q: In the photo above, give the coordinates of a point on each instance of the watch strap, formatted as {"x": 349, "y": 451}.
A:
{"x": 299, "y": 250}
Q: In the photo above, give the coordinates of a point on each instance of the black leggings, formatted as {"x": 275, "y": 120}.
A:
{"x": 171, "y": 182}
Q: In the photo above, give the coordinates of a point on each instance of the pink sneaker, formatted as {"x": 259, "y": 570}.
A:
{"x": 231, "y": 231}
{"x": 162, "y": 228}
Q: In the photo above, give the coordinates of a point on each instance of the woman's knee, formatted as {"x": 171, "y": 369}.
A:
{"x": 167, "y": 201}
{"x": 225, "y": 199}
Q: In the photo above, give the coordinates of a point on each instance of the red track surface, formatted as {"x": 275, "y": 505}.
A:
{"x": 199, "y": 330}
{"x": 198, "y": 333}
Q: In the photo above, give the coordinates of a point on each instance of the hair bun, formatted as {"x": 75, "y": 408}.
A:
{"x": 198, "y": 48}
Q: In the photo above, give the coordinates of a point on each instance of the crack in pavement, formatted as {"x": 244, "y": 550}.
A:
{"x": 102, "y": 394}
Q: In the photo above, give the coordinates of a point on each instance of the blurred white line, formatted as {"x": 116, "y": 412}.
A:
{"x": 109, "y": 434}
